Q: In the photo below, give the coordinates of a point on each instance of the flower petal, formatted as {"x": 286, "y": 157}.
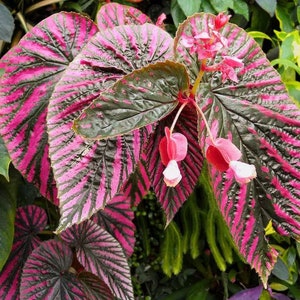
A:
{"x": 243, "y": 172}
{"x": 172, "y": 175}
{"x": 228, "y": 150}
{"x": 214, "y": 156}
{"x": 163, "y": 150}
{"x": 181, "y": 146}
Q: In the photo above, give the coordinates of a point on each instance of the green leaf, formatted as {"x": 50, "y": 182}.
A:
{"x": 293, "y": 88}
{"x": 7, "y": 25}
{"x": 259, "y": 35}
{"x": 4, "y": 160}
{"x": 283, "y": 15}
{"x": 221, "y": 5}
{"x": 140, "y": 98}
{"x": 189, "y": 7}
{"x": 177, "y": 13}
{"x": 240, "y": 7}
{"x": 7, "y": 219}
{"x": 268, "y": 5}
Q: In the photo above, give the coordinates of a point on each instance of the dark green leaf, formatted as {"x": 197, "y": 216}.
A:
{"x": 140, "y": 98}
{"x": 268, "y": 5}
{"x": 221, "y": 5}
{"x": 189, "y": 7}
{"x": 4, "y": 160}
{"x": 7, "y": 24}
{"x": 177, "y": 13}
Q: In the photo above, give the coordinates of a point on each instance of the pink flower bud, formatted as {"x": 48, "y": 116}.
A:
{"x": 221, "y": 20}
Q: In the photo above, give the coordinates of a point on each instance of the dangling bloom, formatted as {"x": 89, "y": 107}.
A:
{"x": 172, "y": 149}
{"x": 224, "y": 155}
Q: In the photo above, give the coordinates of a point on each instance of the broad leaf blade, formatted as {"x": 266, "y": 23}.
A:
{"x": 257, "y": 114}
{"x": 89, "y": 173}
{"x": 102, "y": 255}
{"x": 172, "y": 198}
{"x": 7, "y": 220}
{"x": 32, "y": 69}
{"x": 114, "y": 14}
{"x": 29, "y": 221}
{"x": 116, "y": 218}
{"x": 4, "y": 160}
{"x": 94, "y": 287}
{"x": 46, "y": 274}
{"x": 140, "y": 98}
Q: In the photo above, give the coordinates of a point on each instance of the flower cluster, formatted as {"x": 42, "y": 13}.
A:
{"x": 221, "y": 153}
{"x": 207, "y": 44}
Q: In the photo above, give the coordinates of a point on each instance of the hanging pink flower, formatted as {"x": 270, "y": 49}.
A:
{"x": 172, "y": 149}
{"x": 224, "y": 155}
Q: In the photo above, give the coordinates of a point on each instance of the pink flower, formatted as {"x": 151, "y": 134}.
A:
{"x": 172, "y": 149}
{"x": 221, "y": 20}
{"x": 224, "y": 155}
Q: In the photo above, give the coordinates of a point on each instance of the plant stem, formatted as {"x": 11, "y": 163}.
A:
{"x": 199, "y": 110}
{"x": 199, "y": 77}
{"x": 177, "y": 116}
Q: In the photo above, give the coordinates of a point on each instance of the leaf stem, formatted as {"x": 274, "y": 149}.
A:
{"x": 199, "y": 77}
{"x": 199, "y": 110}
{"x": 177, "y": 116}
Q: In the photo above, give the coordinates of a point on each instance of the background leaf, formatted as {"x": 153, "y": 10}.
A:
{"x": 171, "y": 198}
{"x": 4, "y": 160}
{"x": 115, "y": 14}
{"x": 138, "y": 99}
{"x": 7, "y": 24}
{"x": 46, "y": 274}
{"x": 30, "y": 220}
{"x": 268, "y": 5}
{"x": 32, "y": 69}
{"x": 90, "y": 173}
{"x": 7, "y": 221}
{"x": 189, "y": 7}
{"x": 102, "y": 255}
{"x": 257, "y": 114}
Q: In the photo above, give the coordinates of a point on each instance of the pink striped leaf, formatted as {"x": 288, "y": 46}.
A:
{"x": 89, "y": 173}
{"x": 46, "y": 274}
{"x": 29, "y": 221}
{"x": 138, "y": 99}
{"x": 32, "y": 69}
{"x": 115, "y": 14}
{"x": 102, "y": 255}
{"x": 116, "y": 218}
{"x": 260, "y": 119}
{"x": 94, "y": 287}
{"x": 172, "y": 198}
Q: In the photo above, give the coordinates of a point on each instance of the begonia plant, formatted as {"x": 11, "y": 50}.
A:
{"x": 96, "y": 115}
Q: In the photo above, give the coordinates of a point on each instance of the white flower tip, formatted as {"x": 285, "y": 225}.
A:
{"x": 243, "y": 172}
{"x": 172, "y": 175}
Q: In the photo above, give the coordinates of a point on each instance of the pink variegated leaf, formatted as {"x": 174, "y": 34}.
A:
{"x": 102, "y": 255}
{"x": 30, "y": 220}
{"x": 172, "y": 198}
{"x": 89, "y": 173}
{"x": 138, "y": 99}
{"x": 116, "y": 218}
{"x": 94, "y": 287}
{"x": 46, "y": 274}
{"x": 138, "y": 183}
{"x": 115, "y": 14}
{"x": 32, "y": 69}
{"x": 260, "y": 119}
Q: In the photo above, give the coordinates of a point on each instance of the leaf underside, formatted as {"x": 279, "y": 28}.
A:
{"x": 32, "y": 68}
{"x": 172, "y": 198}
{"x": 29, "y": 221}
{"x": 89, "y": 173}
{"x": 257, "y": 114}
{"x": 102, "y": 255}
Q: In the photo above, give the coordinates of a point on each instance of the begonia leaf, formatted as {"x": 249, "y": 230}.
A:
{"x": 102, "y": 255}
{"x": 172, "y": 198}
{"x": 89, "y": 173}
{"x": 115, "y": 14}
{"x": 260, "y": 119}
{"x": 94, "y": 287}
{"x": 32, "y": 68}
{"x": 29, "y": 221}
{"x": 140, "y": 98}
{"x": 116, "y": 218}
{"x": 47, "y": 275}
